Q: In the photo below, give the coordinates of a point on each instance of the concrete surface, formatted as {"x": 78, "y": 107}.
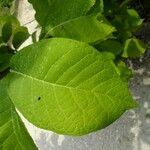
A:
{"x": 130, "y": 132}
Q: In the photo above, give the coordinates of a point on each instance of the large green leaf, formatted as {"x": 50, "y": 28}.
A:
{"x": 88, "y": 29}
{"x": 42, "y": 8}
{"x": 13, "y": 134}
{"x": 67, "y": 87}
{"x": 54, "y": 12}
{"x": 127, "y": 20}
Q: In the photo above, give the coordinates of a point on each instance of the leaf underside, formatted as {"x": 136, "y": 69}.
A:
{"x": 69, "y": 88}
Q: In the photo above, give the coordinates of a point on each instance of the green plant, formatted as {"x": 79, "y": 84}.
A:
{"x": 74, "y": 80}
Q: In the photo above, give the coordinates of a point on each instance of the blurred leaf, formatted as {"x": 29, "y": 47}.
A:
{"x": 4, "y": 11}
{"x": 125, "y": 72}
{"x": 42, "y": 8}
{"x": 133, "y": 48}
{"x": 111, "y": 46}
{"x": 97, "y": 8}
{"x": 6, "y": 7}
{"x": 5, "y": 57}
{"x": 109, "y": 5}
{"x": 10, "y": 29}
{"x": 6, "y": 3}
{"x": 51, "y": 13}
{"x": 122, "y": 35}
{"x": 1, "y": 41}
{"x": 127, "y": 19}
{"x": 86, "y": 28}
{"x": 7, "y": 32}
{"x": 20, "y": 35}
{"x": 5, "y": 22}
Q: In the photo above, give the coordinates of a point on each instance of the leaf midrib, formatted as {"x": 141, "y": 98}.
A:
{"x": 53, "y": 84}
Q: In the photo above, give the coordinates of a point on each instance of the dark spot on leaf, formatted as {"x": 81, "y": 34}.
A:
{"x": 39, "y": 98}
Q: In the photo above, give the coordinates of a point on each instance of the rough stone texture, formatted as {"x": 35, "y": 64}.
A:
{"x": 130, "y": 132}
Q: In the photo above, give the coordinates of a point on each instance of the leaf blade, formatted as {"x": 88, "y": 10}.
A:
{"x": 75, "y": 97}
{"x": 133, "y": 48}
{"x": 87, "y": 29}
{"x": 54, "y": 14}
